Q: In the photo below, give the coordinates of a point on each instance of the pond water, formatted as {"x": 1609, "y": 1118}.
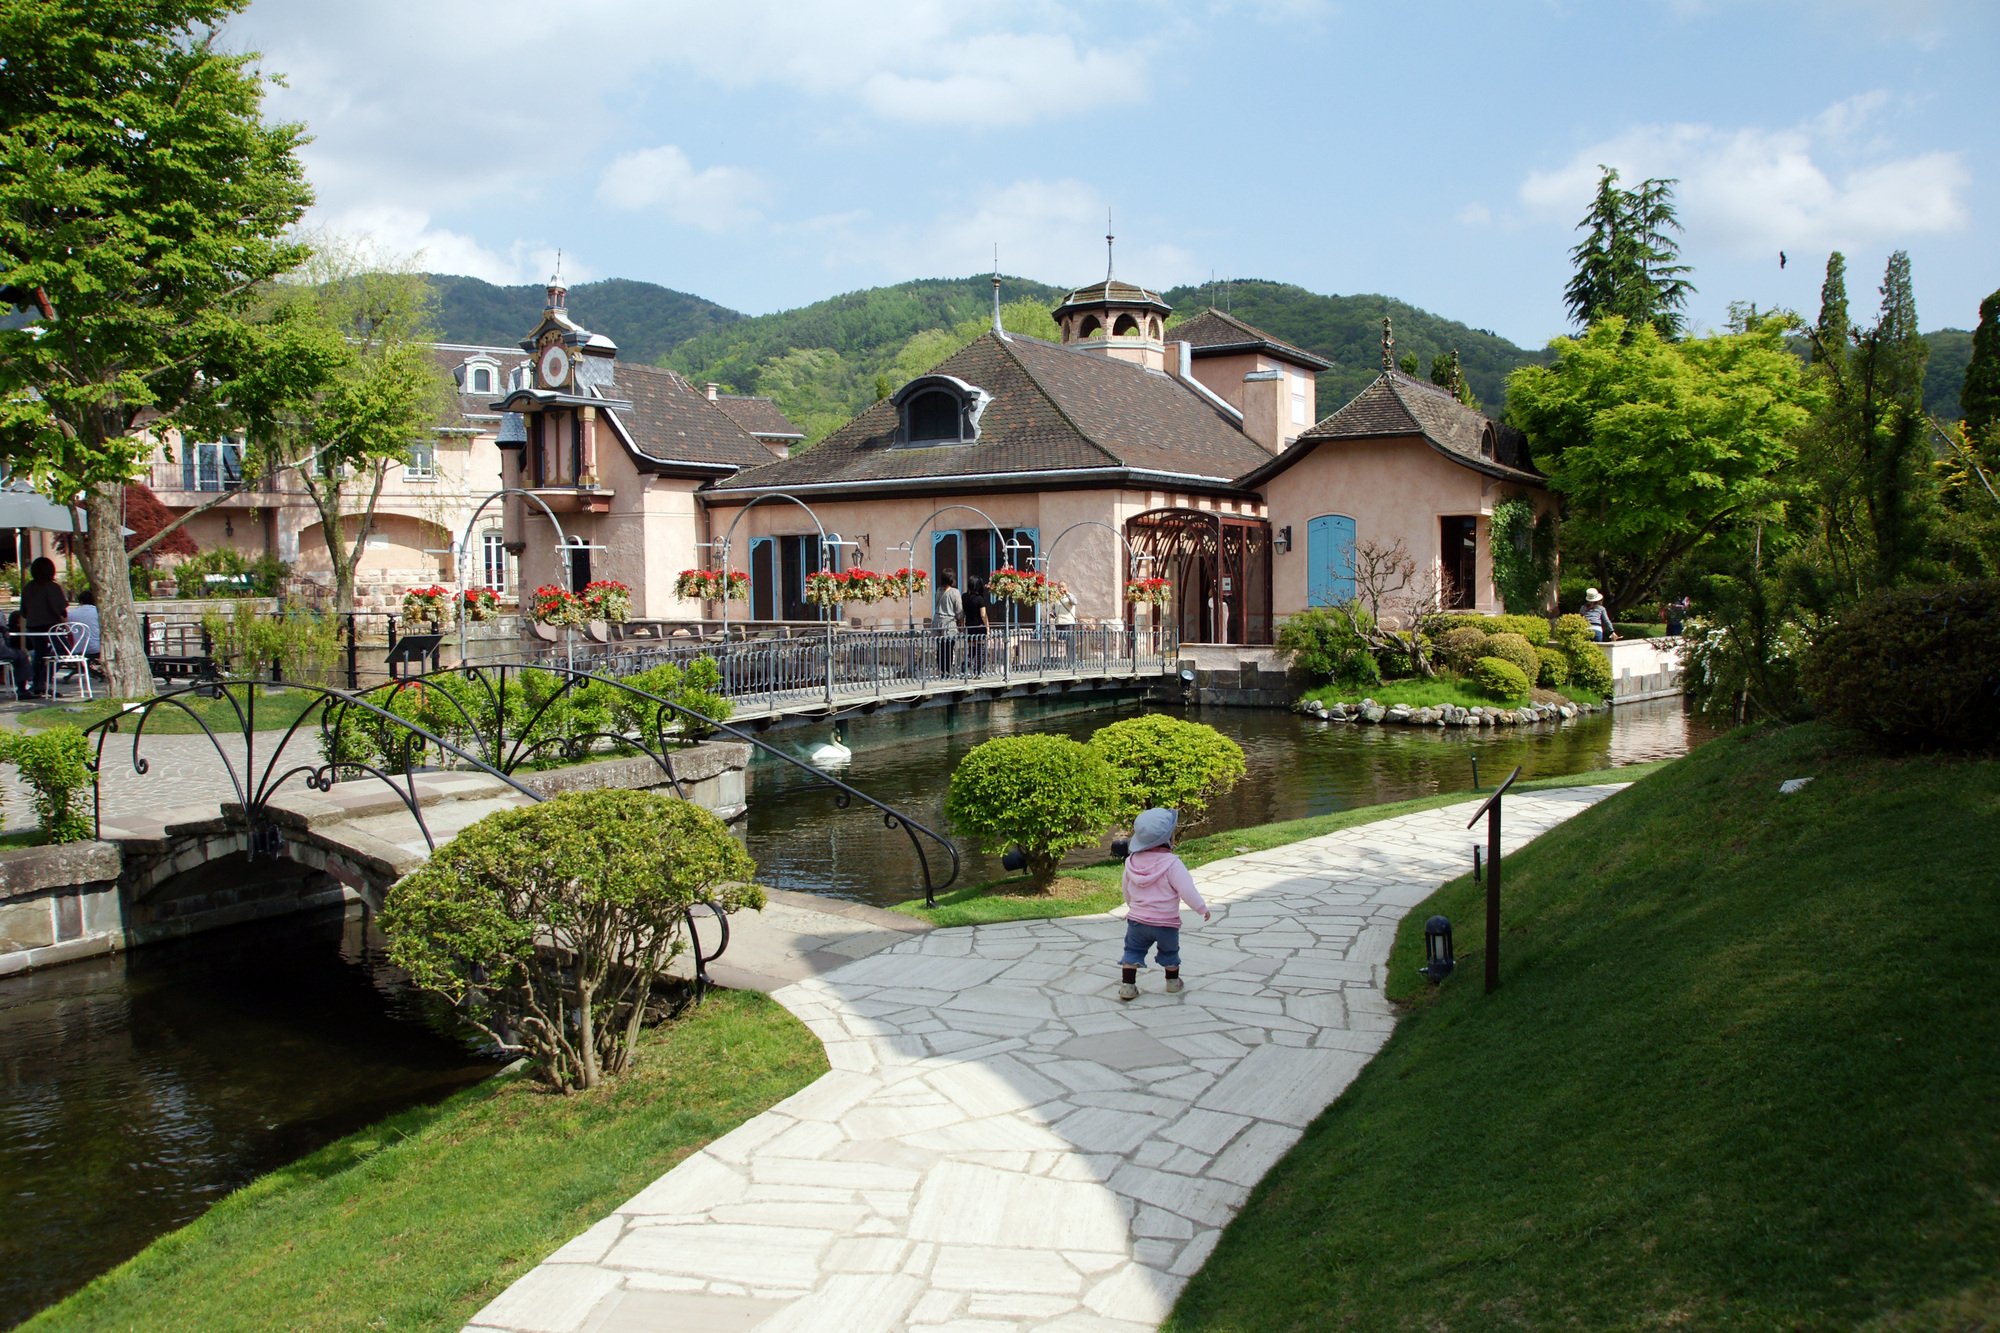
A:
{"x": 1296, "y": 767}
{"x": 141, "y": 1088}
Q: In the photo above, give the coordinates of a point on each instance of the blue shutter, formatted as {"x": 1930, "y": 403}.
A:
{"x": 1329, "y": 560}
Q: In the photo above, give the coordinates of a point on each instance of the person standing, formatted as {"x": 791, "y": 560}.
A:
{"x": 1155, "y": 884}
{"x": 978, "y": 607}
{"x": 43, "y": 607}
{"x": 1063, "y": 608}
{"x": 1595, "y": 616}
{"x": 950, "y": 610}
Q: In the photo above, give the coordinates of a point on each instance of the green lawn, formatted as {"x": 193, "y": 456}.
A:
{"x": 1431, "y": 693}
{"x": 275, "y": 712}
{"x": 1094, "y": 888}
{"x": 417, "y": 1222}
{"x": 1741, "y": 1073}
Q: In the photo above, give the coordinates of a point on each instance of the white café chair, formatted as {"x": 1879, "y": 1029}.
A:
{"x": 66, "y": 644}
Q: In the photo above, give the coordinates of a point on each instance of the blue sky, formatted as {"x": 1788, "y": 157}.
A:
{"x": 768, "y": 155}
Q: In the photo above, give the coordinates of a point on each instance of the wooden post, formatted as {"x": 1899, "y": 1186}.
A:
{"x": 1491, "y": 809}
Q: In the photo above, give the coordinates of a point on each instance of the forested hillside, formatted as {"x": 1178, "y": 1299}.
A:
{"x": 643, "y": 318}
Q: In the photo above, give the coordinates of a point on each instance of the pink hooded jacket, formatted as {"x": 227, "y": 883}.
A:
{"x": 1156, "y": 884}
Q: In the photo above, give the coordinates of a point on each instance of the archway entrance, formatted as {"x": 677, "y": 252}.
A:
{"x": 1220, "y": 566}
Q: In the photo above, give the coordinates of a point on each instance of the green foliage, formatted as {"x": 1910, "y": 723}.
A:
{"x": 548, "y": 926}
{"x": 1554, "y": 673}
{"x": 303, "y": 642}
{"x": 1979, "y": 399}
{"x": 647, "y": 321}
{"x": 1658, "y": 446}
{"x": 1460, "y": 648}
{"x": 242, "y": 576}
{"x": 1171, "y": 763}
{"x": 697, "y": 687}
{"x": 1043, "y": 794}
{"x": 1501, "y": 679}
{"x": 1625, "y": 267}
{"x": 1590, "y": 669}
{"x": 1524, "y": 553}
{"x": 1516, "y": 649}
{"x": 1323, "y": 646}
{"x": 1914, "y": 665}
{"x": 55, "y": 766}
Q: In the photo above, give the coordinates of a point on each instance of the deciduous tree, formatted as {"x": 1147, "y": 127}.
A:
{"x": 145, "y": 199}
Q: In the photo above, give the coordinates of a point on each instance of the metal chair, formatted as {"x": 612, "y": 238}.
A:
{"x": 66, "y": 644}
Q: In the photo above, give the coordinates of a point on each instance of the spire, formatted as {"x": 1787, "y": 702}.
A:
{"x": 1457, "y": 385}
{"x": 558, "y": 293}
{"x": 1388, "y": 345}
{"x": 997, "y": 329}
{"x": 1108, "y": 239}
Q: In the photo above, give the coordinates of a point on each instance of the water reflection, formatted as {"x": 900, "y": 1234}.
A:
{"x": 1296, "y": 768}
{"x": 142, "y": 1088}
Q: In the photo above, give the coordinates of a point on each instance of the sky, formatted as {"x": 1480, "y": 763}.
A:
{"x": 767, "y": 155}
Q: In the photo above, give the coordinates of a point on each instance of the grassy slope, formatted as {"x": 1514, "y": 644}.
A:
{"x": 1094, "y": 888}
{"x": 1740, "y": 1074}
{"x": 416, "y": 1222}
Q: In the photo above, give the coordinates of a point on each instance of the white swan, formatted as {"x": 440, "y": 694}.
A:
{"x": 830, "y": 755}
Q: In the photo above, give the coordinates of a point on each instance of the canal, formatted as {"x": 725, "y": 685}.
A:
{"x": 140, "y": 1089}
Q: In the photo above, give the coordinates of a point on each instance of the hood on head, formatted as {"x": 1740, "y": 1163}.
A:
{"x": 1154, "y": 828}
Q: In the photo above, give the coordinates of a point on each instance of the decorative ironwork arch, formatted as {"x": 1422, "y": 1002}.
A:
{"x": 1220, "y": 568}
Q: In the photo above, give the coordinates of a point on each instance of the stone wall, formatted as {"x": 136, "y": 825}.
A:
{"x": 58, "y": 903}
{"x": 1644, "y": 669}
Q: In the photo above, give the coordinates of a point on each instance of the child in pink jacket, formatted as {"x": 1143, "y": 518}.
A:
{"x": 1156, "y": 883}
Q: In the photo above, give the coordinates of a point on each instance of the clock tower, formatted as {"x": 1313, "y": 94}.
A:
{"x": 572, "y": 382}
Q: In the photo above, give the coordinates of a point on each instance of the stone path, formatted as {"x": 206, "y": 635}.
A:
{"x": 1001, "y": 1145}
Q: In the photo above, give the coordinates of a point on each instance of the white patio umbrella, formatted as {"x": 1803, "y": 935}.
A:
{"x": 30, "y": 509}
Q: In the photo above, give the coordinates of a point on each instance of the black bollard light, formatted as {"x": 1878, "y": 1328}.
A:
{"x": 1121, "y": 847}
{"x": 1475, "y": 770}
{"x": 1475, "y": 863}
{"x": 1438, "y": 959}
{"x": 1015, "y": 859}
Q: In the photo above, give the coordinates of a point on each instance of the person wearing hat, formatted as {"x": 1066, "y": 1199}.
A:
{"x": 1597, "y": 617}
{"x": 1156, "y": 883}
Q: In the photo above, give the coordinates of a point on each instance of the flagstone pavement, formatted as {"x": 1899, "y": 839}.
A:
{"x": 1001, "y": 1146}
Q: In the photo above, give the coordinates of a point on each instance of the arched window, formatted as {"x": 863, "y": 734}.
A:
{"x": 1486, "y": 443}
{"x": 1126, "y": 327}
{"x": 482, "y": 381}
{"x": 933, "y": 416}
{"x": 1090, "y": 328}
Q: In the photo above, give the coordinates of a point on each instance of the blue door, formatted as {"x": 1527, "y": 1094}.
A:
{"x": 1329, "y": 560}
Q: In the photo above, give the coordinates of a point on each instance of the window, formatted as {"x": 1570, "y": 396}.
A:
{"x": 482, "y": 380}
{"x": 493, "y": 561}
{"x": 934, "y": 416}
{"x": 1458, "y": 545}
{"x": 423, "y": 462}
{"x": 1302, "y": 386}
{"x": 212, "y": 467}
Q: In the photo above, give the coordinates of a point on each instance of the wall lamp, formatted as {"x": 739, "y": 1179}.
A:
{"x": 1285, "y": 538}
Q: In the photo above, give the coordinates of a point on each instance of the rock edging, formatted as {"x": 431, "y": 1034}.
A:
{"x": 1447, "y": 715}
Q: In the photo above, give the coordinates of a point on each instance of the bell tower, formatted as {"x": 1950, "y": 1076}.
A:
{"x": 1116, "y": 319}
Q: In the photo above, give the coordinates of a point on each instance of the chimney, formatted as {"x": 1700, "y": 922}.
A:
{"x": 1263, "y": 401}
{"x": 712, "y": 391}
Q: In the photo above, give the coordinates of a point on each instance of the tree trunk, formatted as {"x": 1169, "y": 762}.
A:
{"x": 123, "y": 642}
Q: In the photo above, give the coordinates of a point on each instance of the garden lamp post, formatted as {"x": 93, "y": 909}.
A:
{"x": 1491, "y": 809}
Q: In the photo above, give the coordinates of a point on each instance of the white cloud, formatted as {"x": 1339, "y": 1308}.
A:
{"x": 399, "y": 233}
{"x": 1825, "y": 182}
{"x": 1475, "y": 215}
{"x": 663, "y": 180}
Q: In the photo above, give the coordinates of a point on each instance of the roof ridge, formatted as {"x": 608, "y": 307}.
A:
{"x": 1006, "y": 349}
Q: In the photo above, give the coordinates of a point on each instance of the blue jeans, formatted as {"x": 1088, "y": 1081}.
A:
{"x": 1139, "y": 937}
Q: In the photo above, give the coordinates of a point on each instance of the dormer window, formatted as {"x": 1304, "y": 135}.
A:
{"x": 482, "y": 380}
{"x": 936, "y": 410}
{"x": 1486, "y": 442}
{"x": 478, "y": 375}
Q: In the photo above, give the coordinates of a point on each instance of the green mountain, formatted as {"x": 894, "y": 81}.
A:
{"x": 1347, "y": 330}
{"x": 643, "y": 318}
{"x": 821, "y": 361}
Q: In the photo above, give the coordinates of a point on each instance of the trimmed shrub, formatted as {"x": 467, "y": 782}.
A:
{"x": 1570, "y": 633}
{"x": 1914, "y": 665}
{"x": 1460, "y": 648}
{"x": 1513, "y": 648}
{"x": 1532, "y": 628}
{"x": 1590, "y": 669}
{"x": 1501, "y": 679}
{"x": 1324, "y": 647}
{"x": 547, "y": 926}
{"x": 1555, "y": 668}
{"x": 1171, "y": 762}
{"x": 1043, "y": 794}
{"x": 55, "y": 765}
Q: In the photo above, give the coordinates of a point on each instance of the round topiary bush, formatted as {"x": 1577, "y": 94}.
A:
{"x": 1460, "y": 648}
{"x": 547, "y": 926}
{"x": 1171, "y": 762}
{"x": 1513, "y": 648}
{"x": 1043, "y": 794}
{"x": 1532, "y": 628}
{"x": 1501, "y": 679}
{"x": 1589, "y": 668}
{"x": 1555, "y": 668}
{"x": 1570, "y": 633}
{"x": 1915, "y": 665}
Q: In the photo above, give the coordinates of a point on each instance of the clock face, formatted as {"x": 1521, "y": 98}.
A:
{"x": 554, "y": 366}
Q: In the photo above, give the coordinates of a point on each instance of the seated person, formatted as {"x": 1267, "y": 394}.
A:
{"x": 1597, "y": 617}
{"x": 43, "y": 606}
{"x": 84, "y": 613}
{"x": 12, "y": 654}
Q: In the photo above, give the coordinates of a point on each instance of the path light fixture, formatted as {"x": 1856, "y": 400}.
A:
{"x": 1475, "y": 770}
{"x": 1438, "y": 959}
{"x": 1015, "y": 859}
{"x": 1121, "y": 847}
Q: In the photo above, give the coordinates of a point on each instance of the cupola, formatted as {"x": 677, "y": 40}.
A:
{"x": 1117, "y": 319}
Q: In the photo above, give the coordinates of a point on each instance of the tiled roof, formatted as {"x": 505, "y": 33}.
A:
{"x": 1113, "y": 292}
{"x": 671, "y": 421}
{"x": 1214, "y": 333}
{"x": 760, "y": 416}
{"x": 1052, "y": 410}
{"x": 1398, "y": 404}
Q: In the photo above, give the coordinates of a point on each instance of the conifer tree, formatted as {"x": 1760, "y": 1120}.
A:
{"x": 1626, "y": 265}
{"x": 1980, "y": 398}
{"x": 1833, "y": 329}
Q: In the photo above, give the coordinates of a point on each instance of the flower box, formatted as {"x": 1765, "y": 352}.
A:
{"x": 478, "y": 604}
{"x": 427, "y": 606}
{"x": 607, "y": 600}
{"x": 556, "y": 606}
